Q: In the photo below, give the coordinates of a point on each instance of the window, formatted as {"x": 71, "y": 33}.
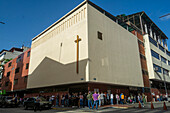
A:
{"x": 168, "y": 62}
{"x": 144, "y": 72}
{"x": 17, "y": 70}
{"x": 161, "y": 48}
{"x": 25, "y": 79}
{"x": 157, "y": 67}
{"x": 18, "y": 59}
{"x": 8, "y": 74}
{"x": 151, "y": 40}
{"x": 15, "y": 81}
{"x": 27, "y": 65}
{"x": 154, "y": 54}
{"x": 142, "y": 57}
{"x": 28, "y": 54}
{"x": 168, "y": 53}
{"x": 99, "y": 35}
{"x": 6, "y": 83}
{"x": 9, "y": 65}
{"x": 0, "y": 85}
{"x": 166, "y": 72}
{"x": 163, "y": 59}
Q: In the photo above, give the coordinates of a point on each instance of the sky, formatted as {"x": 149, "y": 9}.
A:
{"x": 24, "y": 19}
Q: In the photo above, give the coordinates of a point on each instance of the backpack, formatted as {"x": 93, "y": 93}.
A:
{"x": 122, "y": 96}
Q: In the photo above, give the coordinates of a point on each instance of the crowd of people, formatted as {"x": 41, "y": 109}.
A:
{"x": 95, "y": 99}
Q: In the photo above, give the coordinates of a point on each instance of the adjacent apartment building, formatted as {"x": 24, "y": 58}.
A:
{"x": 88, "y": 49}
{"x": 156, "y": 51}
{"x": 6, "y": 55}
{"x": 14, "y": 80}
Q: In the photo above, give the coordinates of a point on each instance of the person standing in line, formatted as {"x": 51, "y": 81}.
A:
{"x": 62, "y": 100}
{"x": 99, "y": 98}
{"x": 66, "y": 100}
{"x": 117, "y": 98}
{"x": 57, "y": 100}
{"x": 95, "y": 98}
{"x": 122, "y": 97}
{"x": 81, "y": 99}
{"x": 85, "y": 99}
{"x": 89, "y": 97}
{"x": 111, "y": 98}
{"x": 108, "y": 98}
{"x": 102, "y": 98}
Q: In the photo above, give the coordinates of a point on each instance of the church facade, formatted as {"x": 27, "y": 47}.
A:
{"x": 88, "y": 49}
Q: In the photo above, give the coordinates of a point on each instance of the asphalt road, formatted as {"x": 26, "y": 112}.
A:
{"x": 109, "y": 110}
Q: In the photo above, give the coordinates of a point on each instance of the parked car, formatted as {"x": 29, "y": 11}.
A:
{"x": 6, "y": 101}
{"x": 40, "y": 101}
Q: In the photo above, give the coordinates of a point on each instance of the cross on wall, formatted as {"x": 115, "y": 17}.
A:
{"x": 77, "y": 64}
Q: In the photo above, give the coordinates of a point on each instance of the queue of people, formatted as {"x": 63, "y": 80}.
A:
{"x": 96, "y": 99}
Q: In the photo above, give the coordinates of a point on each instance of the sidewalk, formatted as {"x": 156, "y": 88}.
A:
{"x": 157, "y": 105}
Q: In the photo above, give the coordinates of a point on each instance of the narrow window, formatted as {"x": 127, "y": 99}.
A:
{"x": 8, "y": 74}
{"x": 28, "y": 54}
{"x": 9, "y": 65}
{"x": 99, "y": 35}
{"x": 17, "y": 70}
{"x": 18, "y": 59}
{"x": 27, "y": 66}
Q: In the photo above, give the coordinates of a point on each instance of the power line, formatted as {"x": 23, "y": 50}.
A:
{"x": 164, "y": 15}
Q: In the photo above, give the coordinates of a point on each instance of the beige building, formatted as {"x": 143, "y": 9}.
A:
{"x": 108, "y": 54}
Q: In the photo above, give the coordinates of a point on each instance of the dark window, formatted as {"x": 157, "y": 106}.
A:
{"x": 25, "y": 78}
{"x": 157, "y": 68}
{"x": 161, "y": 48}
{"x": 140, "y": 42}
{"x": 28, "y": 54}
{"x": 9, "y": 65}
{"x": 99, "y": 35}
{"x": 166, "y": 72}
{"x": 27, "y": 65}
{"x": 17, "y": 70}
{"x": 168, "y": 53}
{"x": 8, "y": 74}
{"x": 142, "y": 57}
{"x": 6, "y": 83}
{"x": 163, "y": 59}
{"x": 153, "y": 41}
{"x": 0, "y": 85}
{"x": 18, "y": 59}
{"x": 168, "y": 62}
{"x": 15, "y": 81}
{"x": 144, "y": 72}
{"x": 154, "y": 54}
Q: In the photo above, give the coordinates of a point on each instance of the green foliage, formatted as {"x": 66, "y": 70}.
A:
{"x": 7, "y": 60}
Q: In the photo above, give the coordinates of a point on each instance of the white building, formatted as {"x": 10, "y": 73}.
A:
{"x": 156, "y": 51}
{"x": 109, "y": 58}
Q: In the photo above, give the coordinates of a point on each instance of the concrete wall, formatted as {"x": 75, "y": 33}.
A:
{"x": 115, "y": 59}
{"x": 53, "y": 54}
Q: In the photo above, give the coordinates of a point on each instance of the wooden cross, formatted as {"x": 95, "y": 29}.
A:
{"x": 77, "y": 41}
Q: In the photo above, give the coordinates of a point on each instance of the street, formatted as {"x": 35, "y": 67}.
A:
{"x": 86, "y": 110}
